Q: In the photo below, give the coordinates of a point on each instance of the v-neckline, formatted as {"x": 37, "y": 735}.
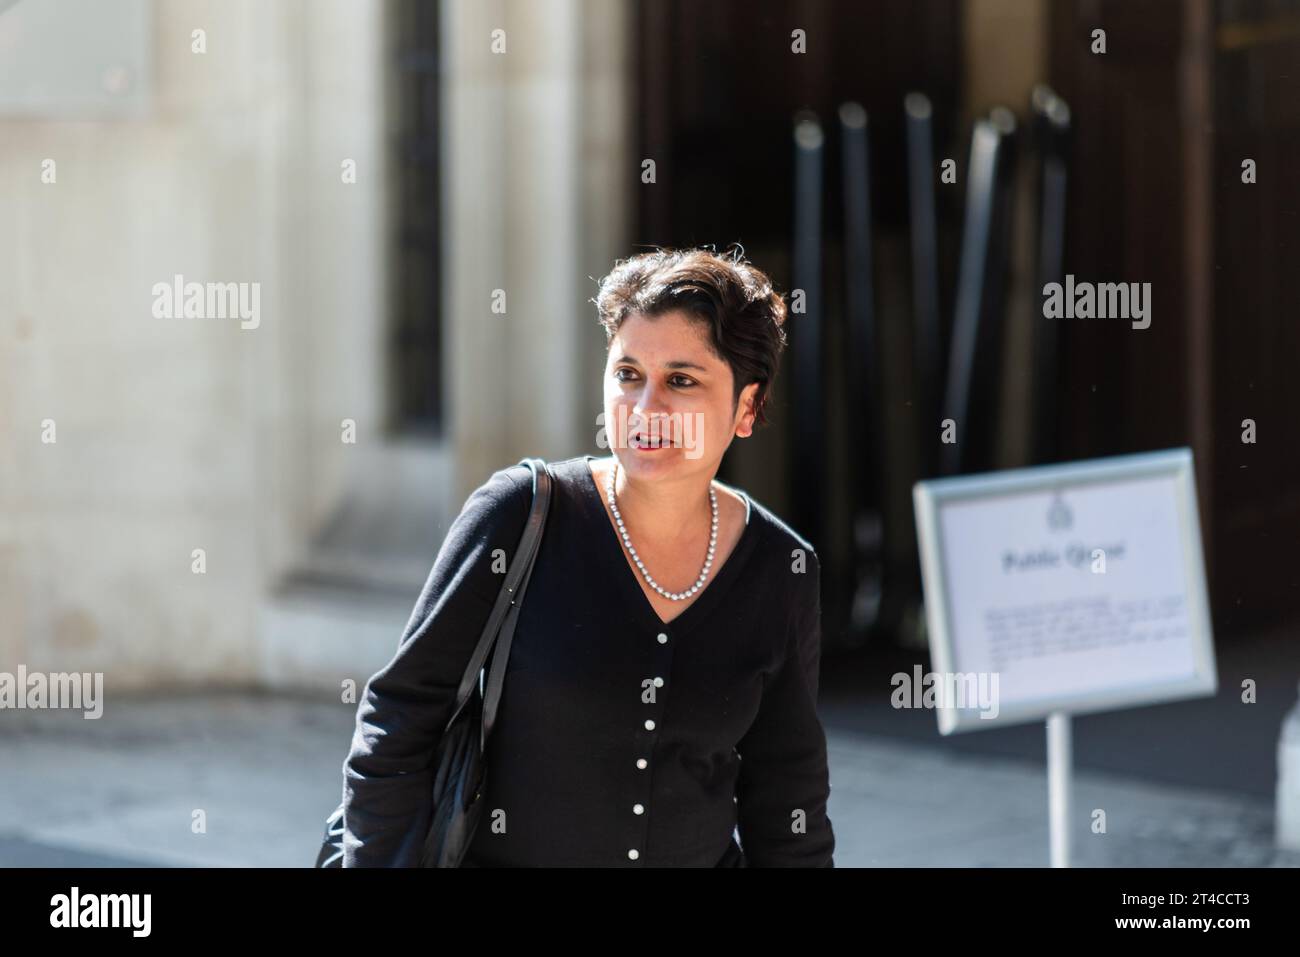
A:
{"x": 713, "y": 590}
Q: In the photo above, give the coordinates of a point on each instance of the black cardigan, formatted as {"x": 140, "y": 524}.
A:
{"x": 620, "y": 740}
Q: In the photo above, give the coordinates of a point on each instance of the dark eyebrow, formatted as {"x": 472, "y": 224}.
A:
{"x": 675, "y": 364}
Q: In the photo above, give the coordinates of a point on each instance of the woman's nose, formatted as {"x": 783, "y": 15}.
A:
{"x": 649, "y": 402}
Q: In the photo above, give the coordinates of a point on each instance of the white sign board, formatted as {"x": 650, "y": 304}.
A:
{"x": 1068, "y": 588}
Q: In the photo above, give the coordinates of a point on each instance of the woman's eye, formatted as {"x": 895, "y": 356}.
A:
{"x": 677, "y": 381}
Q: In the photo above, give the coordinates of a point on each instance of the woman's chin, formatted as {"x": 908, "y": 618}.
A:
{"x": 648, "y": 459}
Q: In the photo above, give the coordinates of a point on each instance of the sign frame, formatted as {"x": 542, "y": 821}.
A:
{"x": 930, "y": 495}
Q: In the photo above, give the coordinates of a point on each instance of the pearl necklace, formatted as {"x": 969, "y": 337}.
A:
{"x": 708, "y": 561}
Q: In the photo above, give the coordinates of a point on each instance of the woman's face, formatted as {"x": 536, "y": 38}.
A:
{"x": 664, "y": 384}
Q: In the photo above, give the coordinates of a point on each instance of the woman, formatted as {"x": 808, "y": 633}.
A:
{"x": 659, "y": 700}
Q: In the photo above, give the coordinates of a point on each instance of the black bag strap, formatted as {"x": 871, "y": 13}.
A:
{"x": 501, "y": 622}
{"x": 530, "y": 544}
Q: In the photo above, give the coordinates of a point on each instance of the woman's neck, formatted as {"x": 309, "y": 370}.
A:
{"x": 664, "y": 511}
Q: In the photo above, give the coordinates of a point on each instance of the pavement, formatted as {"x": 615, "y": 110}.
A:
{"x": 235, "y": 779}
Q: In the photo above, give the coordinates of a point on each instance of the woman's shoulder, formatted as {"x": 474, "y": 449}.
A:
{"x": 510, "y": 489}
{"x": 501, "y": 501}
{"x": 507, "y": 483}
{"x": 776, "y": 534}
{"x": 789, "y": 564}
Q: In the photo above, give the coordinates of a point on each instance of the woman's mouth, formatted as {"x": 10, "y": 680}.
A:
{"x": 645, "y": 443}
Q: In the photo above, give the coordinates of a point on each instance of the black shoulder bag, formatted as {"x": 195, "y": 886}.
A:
{"x": 459, "y": 758}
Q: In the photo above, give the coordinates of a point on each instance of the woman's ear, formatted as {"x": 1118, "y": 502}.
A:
{"x": 745, "y": 410}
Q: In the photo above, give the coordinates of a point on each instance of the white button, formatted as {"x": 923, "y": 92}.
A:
{"x": 638, "y": 809}
{"x": 640, "y": 763}
{"x": 659, "y": 682}
{"x": 633, "y": 854}
{"x": 649, "y": 725}
{"x": 663, "y": 639}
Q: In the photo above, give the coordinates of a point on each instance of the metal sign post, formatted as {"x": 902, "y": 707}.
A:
{"x": 1059, "y": 781}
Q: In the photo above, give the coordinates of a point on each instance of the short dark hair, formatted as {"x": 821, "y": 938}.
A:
{"x": 734, "y": 299}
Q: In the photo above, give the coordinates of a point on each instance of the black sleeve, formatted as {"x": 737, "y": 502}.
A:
{"x": 388, "y": 774}
{"x": 784, "y": 781}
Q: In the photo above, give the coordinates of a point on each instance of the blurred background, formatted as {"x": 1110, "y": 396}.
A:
{"x": 231, "y": 520}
